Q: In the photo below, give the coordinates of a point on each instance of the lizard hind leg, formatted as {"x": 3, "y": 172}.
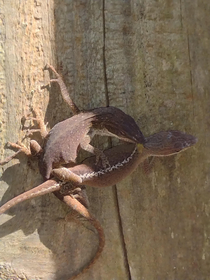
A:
{"x": 77, "y": 192}
{"x": 41, "y": 124}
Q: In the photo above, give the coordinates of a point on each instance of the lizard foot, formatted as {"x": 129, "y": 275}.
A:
{"x": 80, "y": 194}
{"x": 40, "y": 121}
{"x": 48, "y": 66}
{"x": 21, "y": 148}
{"x": 59, "y": 78}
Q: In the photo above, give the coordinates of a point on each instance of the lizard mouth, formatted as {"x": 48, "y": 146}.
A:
{"x": 189, "y": 143}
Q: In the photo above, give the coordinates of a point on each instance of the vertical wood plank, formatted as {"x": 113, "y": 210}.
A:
{"x": 157, "y": 70}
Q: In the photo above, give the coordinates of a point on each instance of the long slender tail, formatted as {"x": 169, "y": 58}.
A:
{"x": 77, "y": 206}
{"x": 47, "y": 187}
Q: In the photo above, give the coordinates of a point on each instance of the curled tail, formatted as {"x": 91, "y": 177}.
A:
{"x": 77, "y": 206}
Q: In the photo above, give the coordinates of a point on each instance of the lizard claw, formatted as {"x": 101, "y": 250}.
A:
{"x": 21, "y": 148}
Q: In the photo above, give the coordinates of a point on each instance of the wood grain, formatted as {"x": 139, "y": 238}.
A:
{"x": 148, "y": 58}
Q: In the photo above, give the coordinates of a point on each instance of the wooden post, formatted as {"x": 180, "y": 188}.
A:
{"x": 148, "y": 58}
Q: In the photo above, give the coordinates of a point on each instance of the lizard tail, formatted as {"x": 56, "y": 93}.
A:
{"x": 46, "y": 187}
{"x": 77, "y": 206}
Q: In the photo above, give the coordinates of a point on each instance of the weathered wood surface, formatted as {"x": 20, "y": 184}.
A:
{"x": 156, "y": 68}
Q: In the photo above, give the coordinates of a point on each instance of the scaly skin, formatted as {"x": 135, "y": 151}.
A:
{"x": 125, "y": 158}
{"x": 63, "y": 142}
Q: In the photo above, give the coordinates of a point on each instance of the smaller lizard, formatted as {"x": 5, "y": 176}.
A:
{"x": 124, "y": 159}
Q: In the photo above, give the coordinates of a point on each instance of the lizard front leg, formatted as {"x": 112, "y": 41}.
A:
{"x": 64, "y": 91}
{"x": 85, "y": 145}
{"x": 41, "y": 124}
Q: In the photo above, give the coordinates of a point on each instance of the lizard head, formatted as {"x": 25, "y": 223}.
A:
{"x": 169, "y": 142}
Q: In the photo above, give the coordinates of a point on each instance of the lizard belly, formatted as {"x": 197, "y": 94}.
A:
{"x": 120, "y": 167}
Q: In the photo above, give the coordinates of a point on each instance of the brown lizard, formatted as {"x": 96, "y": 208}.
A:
{"x": 90, "y": 177}
{"x": 123, "y": 161}
{"x": 125, "y": 158}
{"x": 62, "y": 143}
{"x": 65, "y": 138}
